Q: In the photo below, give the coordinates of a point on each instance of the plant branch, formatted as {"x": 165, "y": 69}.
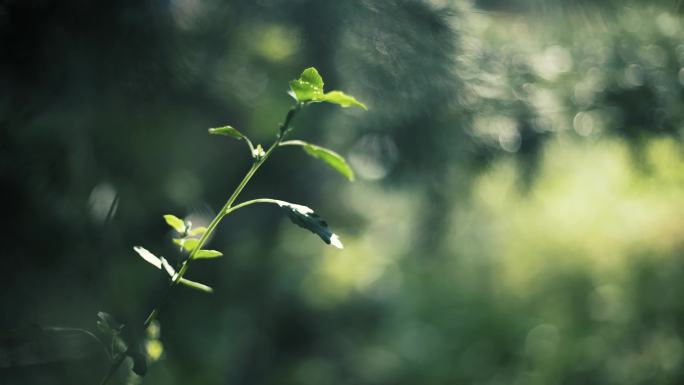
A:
{"x": 283, "y": 129}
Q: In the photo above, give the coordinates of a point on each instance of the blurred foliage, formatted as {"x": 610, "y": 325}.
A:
{"x": 516, "y": 217}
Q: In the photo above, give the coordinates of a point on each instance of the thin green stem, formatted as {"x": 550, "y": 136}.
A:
{"x": 251, "y": 202}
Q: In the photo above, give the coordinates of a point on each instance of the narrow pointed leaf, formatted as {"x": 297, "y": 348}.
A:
{"x": 308, "y": 87}
{"x": 149, "y": 257}
{"x": 203, "y": 254}
{"x": 175, "y": 222}
{"x": 168, "y": 268}
{"x": 227, "y": 131}
{"x": 306, "y": 218}
{"x": 344, "y": 100}
{"x": 233, "y": 133}
{"x": 188, "y": 244}
{"x": 159, "y": 262}
{"x": 330, "y": 157}
{"x": 196, "y": 285}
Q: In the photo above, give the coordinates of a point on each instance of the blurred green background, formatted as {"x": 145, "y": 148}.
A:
{"x": 517, "y": 218}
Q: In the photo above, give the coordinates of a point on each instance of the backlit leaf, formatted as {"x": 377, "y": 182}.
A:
{"x": 227, "y": 131}
{"x": 344, "y": 100}
{"x": 168, "y": 268}
{"x": 159, "y": 262}
{"x": 188, "y": 244}
{"x": 175, "y": 222}
{"x": 330, "y": 157}
{"x": 198, "y": 231}
{"x": 149, "y": 257}
{"x": 202, "y": 254}
{"x": 196, "y": 285}
{"x": 308, "y": 87}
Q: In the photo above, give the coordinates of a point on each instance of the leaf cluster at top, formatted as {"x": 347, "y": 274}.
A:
{"x": 308, "y": 88}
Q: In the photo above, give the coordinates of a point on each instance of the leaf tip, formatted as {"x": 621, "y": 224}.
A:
{"x": 335, "y": 241}
{"x": 175, "y": 223}
{"x": 196, "y": 285}
{"x": 350, "y": 175}
{"x": 148, "y": 256}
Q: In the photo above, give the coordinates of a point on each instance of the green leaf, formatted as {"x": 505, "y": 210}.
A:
{"x": 119, "y": 345}
{"x": 197, "y": 231}
{"x": 158, "y": 262}
{"x": 107, "y": 324}
{"x": 188, "y": 244}
{"x": 149, "y": 257}
{"x": 330, "y": 157}
{"x": 233, "y": 133}
{"x": 344, "y": 100}
{"x": 227, "y": 131}
{"x": 202, "y": 254}
{"x": 309, "y": 86}
{"x": 168, "y": 268}
{"x": 175, "y": 222}
{"x": 196, "y": 285}
{"x": 305, "y": 217}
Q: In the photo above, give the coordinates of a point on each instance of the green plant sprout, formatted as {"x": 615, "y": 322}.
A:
{"x": 305, "y": 90}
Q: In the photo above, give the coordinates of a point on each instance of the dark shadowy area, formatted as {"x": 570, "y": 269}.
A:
{"x": 515, "y": 218}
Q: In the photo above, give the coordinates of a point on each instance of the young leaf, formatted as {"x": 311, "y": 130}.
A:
{"x": 258, "y": 152}
{"x": 175, "y": 222}
{"x": 233, "y": 133}
{"x": 331, "y": 158}
{"x": 149, "y": 257}
{"x": 203, "y": 254}
{"x": 306, "y": 218}
{"x": 196, "y": 285}
{"x": 227, "y": 131}
{"x": 198, "y": 231}
{"x": 344, "y": 100}
{"x": 188, "y": 244}
{"x": 309, "y": 86}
